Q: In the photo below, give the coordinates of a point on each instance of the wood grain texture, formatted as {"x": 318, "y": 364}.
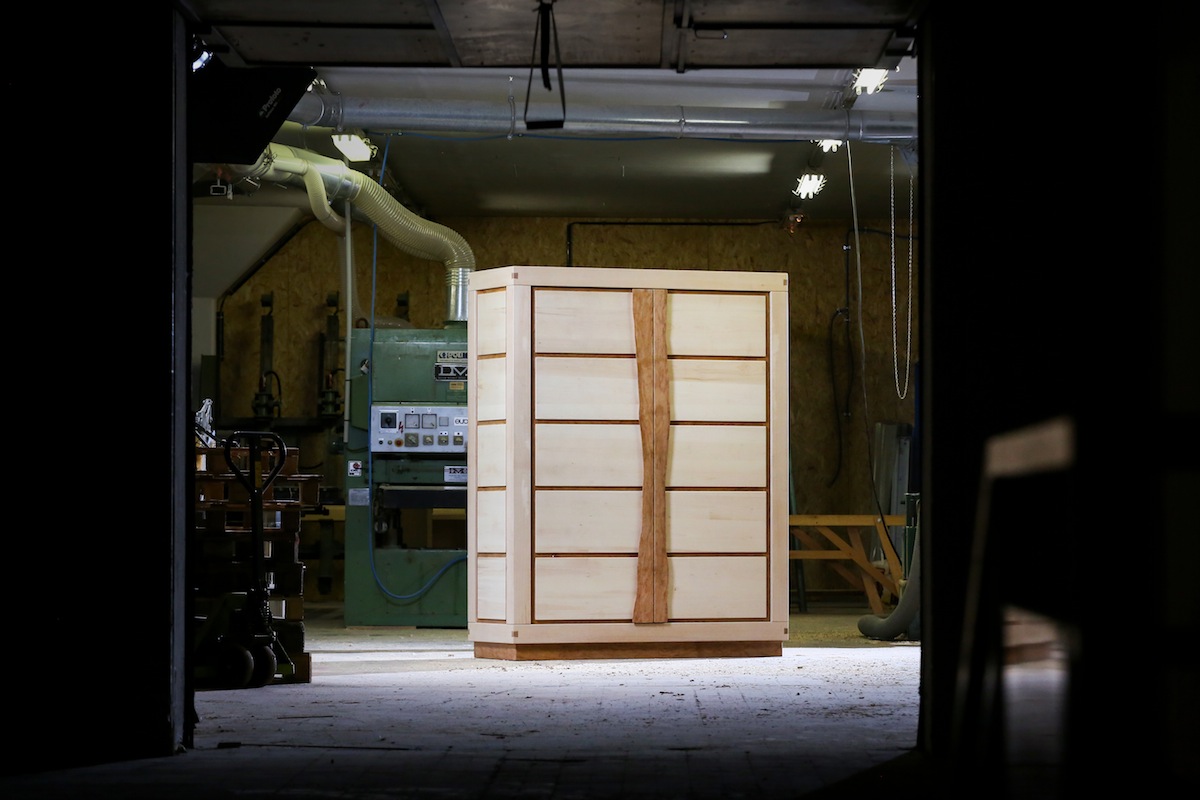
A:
{"x": 593, "y": 650}
{"x": 584, "y": 388}
{"x": 661, "y": 413}
{"x": 582, "y": 321}
{"x": 578, "y": 588}
{"x": 649, "y": 325}
{"x": 581, "y": 521}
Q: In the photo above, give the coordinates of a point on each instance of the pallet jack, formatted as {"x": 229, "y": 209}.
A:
{"x": 235, "y": 645}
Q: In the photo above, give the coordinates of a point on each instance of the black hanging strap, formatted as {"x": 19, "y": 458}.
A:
{"x": 543, "y": 30}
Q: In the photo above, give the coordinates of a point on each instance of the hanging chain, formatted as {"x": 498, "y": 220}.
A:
{"x": 901, "y": 393}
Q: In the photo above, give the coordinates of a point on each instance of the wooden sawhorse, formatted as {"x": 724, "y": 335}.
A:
{"x": 845, "y": 533}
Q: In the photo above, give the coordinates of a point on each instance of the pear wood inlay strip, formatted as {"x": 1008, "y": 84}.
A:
{"x": 650, "y": 336}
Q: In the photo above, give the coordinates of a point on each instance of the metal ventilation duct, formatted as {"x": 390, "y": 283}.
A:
{"x": 877, "y": 127}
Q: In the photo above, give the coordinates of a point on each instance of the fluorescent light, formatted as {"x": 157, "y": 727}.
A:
{"x": 870, "y": 81}
{"x": 201, "y": 60}
{"x": 808, "y": 184}
{"x": 354, "y": 147}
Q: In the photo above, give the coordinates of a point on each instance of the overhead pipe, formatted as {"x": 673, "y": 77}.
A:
{"x": 875, "y": 127}
{"x": 326, "y": 179}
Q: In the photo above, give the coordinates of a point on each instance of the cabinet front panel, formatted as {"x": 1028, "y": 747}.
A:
{"x": 717, "y": 522}
{"x": 490, "y": 521}
{"x": 585, "y": 388}
{"x": 489, "y": 388}
{"x": 717, "y": 455}
{"x": 490, "y": 455}
{"x": 718, "y": 587}
{"x": 587, "y": 455}
{"x": 571, "y": 521}
{"x": 490, "y": 583}
{"x": 580, "y": 588}
{"x": 489, "y": 322}
{"x": 716, "y": 324}
{"x": 718, "y": 391}
{"x": 575, "y": 321}
{"x": 627, "y": 467}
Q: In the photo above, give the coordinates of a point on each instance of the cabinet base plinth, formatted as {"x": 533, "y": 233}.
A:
{"x": 618, "y": 650}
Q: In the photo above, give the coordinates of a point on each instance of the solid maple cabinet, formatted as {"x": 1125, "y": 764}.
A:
{"x": 627, "y": 465}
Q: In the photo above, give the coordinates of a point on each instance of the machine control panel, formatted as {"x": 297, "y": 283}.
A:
{"x": 418, "y": 429}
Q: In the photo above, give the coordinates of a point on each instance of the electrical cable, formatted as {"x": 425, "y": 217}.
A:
{"x": 428, "y": 584}
{"x": 370, "y": 459}
{"x": 862, "y": 335}
{"x": 370, "y": 364}
{"x": 908, "y": 343}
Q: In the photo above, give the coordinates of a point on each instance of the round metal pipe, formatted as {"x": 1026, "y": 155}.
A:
{"x": 880, "y": 127}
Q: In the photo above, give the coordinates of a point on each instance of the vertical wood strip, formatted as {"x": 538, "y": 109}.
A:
{"x": 662, "y": 434}
{"x": 649, "y": 307}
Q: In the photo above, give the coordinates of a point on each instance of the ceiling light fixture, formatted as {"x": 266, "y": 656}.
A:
{"x": 354, "y": 147}
{"x": 869, "y": 81}
{"x": 201, "y": 60}
{"x": 807, "y": 185}
{"x": 828, "y": 145}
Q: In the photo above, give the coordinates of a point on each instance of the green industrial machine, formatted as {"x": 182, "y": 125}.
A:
{"x": 406, "y": 478}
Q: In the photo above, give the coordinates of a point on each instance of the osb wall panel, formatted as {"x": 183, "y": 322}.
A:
{"x": 852, "y": 318}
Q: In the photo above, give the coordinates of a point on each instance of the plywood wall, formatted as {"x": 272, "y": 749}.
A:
{"x": 853, "y": 319}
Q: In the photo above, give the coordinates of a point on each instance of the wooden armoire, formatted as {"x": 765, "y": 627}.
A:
{"x": 627, "y": 463}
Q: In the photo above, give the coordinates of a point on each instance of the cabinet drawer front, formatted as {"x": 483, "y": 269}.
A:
{"x": 587, "y": 455}
{"x": 585, "y": 388}
{"x": 717, "y": 455}
{"x": 721, "y": 587}
{"x": 717, "y": 522}
{"x": 716, "y": 324}
{"x": 574, "y": 321}
{"x": 489, "y": 388}
{"x": 490, "y": 585}
{"x": 718, "y": 391}
{"x": 490, "y": 316}
{"x": 584, "y": 588}
{"x": 571, "y": 521}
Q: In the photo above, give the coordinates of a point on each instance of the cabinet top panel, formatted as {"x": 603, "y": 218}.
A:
{"x": 623, "y": 278}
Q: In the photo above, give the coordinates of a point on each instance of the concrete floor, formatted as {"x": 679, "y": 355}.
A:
{"x": 411, "y": 713}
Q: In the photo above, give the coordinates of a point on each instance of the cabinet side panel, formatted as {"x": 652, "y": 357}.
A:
{"x": 703, "y": 324}
{"x": 581, "y": 588}
{"x": 518, "y": 456}
{"x": 582, "y": 321}
{"x": 718, "y": 456}
{"x": 490, "y": 387}
{"x": 490, "y": 441}
{"x": 489, "y": 521}
{"x": 489, "y": 322}
{"x": 572, "y": 521}
{"x": 718, "y": 587}
{"x": 717, "y": 522}
{"x": 780, "y": 443}
{"x": 490, "y": 599}
{"x": 587, "y": 455}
